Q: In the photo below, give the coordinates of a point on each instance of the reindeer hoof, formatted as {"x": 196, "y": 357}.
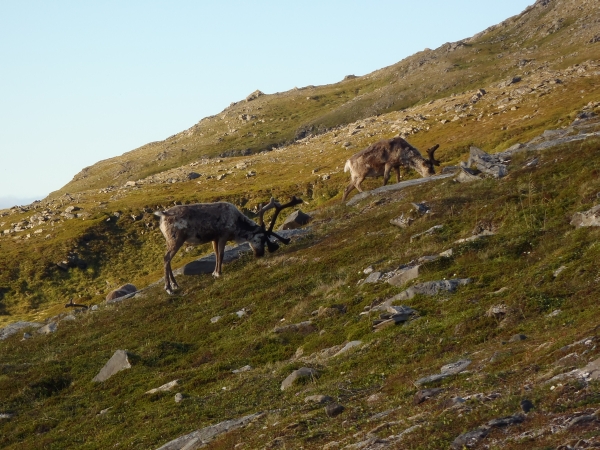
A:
{"x": 216, "y": 274}
{"x": 169, "y": 291}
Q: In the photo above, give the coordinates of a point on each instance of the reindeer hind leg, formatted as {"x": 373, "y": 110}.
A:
{"x": 169, "y": 277}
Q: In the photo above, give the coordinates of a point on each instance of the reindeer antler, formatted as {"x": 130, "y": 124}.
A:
{"x": 278, "y": 207}
{"x": 430, "y": 152}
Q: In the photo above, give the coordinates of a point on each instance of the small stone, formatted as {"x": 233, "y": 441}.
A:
{"x": 48, "y": 328}
{"x": 558, "y": 271}
{"x": 178, "y": 397}
{"x": 526, "y": 405}
{"x": 302, "y": 373}
{"x": 517, "y": 338}
{"x": 320, "y": 399}
{"x": 26, "y": 336}
{"x": 119, "y": 361}
{"x": 165, "y": 387}
{"x": 426, "y": 394}
{"x": 373, "y": 277}
{"x": 246, "y": 368}
{"x": 334, "y": 409}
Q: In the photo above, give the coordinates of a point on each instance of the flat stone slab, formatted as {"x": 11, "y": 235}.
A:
{"x": 203, "y": 436}
{"x": 429, "y": 288}
{"x": 347, "y": 347}
{"x": 456, "y": 367}
{"x": 403, "y": 276}
{"x": 396, "y": 187}
{"x": 165, "y": 387}
{"x": 119, "y": 361}
{"x": 13, "y": 328}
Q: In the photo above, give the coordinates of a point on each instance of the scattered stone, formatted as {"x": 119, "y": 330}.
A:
{"x": 426, "y": 394}
{"x": 254, "y": 95}
{"x": 402, "y": 222}
{"x": 165, "y": 387}
{"x": 580, "y": 420}
{"x": 13, "y": 328}
{"x": 421, "y": 208}
{"x": 456, "y": 367}
{"x": 498, "y": 311}
{"x": 302, "y": 373}
{"x": 368, "y": 270}
{"x": 302, "y": 327}
{"x": 104, "y": 411}
{"x": 334, "y": 409}
{"x": 430, "y": 288}
{"x": 466, "y": 175}
{"x": 517, "y": 338}
{"x": 372, "y": 278}
{"x": 126, "y": 291}
{"x": 295, "y": 220}
{"x": 215, "y": 319}
{"x": 246, "y": 368}
{"x": 193, "y": 175}
{"x": 403, "y": 276}
{"x": 558, "y": 271}
{"x": 526, "y": 405}
{"x": 347, "y": 347}
{"x": 6, "y": 416}
{"x": 488, "y": 164}
{"x": 555, "y": 313}
{"x": 119, "y": 361}
{"x": 178, "y": 397}
{"x": 426, "y": 232}
{"x": 48, "y": 328}
{"x": 200, "y": 438}
{"x": 590, "y": 218}
{"x": 470, "y": 439}
{"x": 26, "y": 336}
{"x": 505, "y": 421}
{"x": 319, "y": 399}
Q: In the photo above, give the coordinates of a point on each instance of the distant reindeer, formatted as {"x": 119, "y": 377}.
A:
{"x": 381, "y": 157}
{"x": 217, "y": 223}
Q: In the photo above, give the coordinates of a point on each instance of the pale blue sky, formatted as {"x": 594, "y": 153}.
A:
{"x": 82, "y": 81}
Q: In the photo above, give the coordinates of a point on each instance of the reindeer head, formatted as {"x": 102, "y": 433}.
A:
{"x": 431, "y": 162}
{"x": 263, "y": 238}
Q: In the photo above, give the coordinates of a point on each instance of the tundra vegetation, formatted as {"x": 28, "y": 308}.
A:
{"x": 534, "y": 274}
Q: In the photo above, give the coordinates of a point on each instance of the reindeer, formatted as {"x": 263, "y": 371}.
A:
{"x": 381, "y": 157}
{"x": 217, "y": 223}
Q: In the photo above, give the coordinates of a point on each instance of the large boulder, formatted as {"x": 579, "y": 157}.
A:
{"x": 295, "y": 220}
{"x": 492, "y": 165}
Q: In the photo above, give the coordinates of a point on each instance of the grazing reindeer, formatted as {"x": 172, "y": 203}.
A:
{"x": 217, "y": 223}
{"x": 381, "y": 157}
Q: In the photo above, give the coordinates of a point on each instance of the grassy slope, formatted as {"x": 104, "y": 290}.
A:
{"x": 46, "y": 380}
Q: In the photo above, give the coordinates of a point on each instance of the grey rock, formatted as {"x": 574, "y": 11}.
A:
{"x": 320, "y": 399}
{"x": 403, "y": 276}
{"x": 581, "y": 420}
{"x": 526, "y": 405}
{"x": 470, "y": 439}
{"x": 200, "y": 438}
{"x": 396, "y": 187}
{"x": 119, "y": 361}
{"x": 402, "y": 222}
{"x": 456, "y": 367}
{"x": 6, "y": 416}
{"x": 590, "y": 218}
{"x": 246, "y": 368}
{"x": 425, "y": 394}
{"x": 466, "y": 175}
{"x": 302, "y": 327}
{"x": 373, "y": 278}
{"x": 350, "y": 345}
{"x": 215, "y": 319}
{"x": 13, "y": 328}
{"x": 302, "y": 373}
{"x": 334, "y": 409}
{"x": 421, "y": 208}
{"x": 254, "y": 95}
{"x": 48, "y": 328}
{"x": 489, "y": 164}
{"x": 517, "y": 338}
{"x": 295, "y": 220}
{"x": 431, "y": 379}
{"x": 199, "y": 267}
{"x": 558, "y": 271}
{"x": 165, "y": 387}
{"x": 430, "y": 231}
{"x": 193, "y": 175}
{"x": 505, "y": 421}
{"x": 126, "y": 291}
{"x": 178, "y": 397}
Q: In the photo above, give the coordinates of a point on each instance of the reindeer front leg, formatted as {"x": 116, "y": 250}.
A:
{"x": 386, "y": 174}
{"x": 219, "y": 248}
{"x": 397, "y": 169}
{"x": 169, "y": 277}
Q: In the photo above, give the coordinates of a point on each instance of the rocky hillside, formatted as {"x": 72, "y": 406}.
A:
{"x": 458, "y": 311}
{"x": 549, "y": 35}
